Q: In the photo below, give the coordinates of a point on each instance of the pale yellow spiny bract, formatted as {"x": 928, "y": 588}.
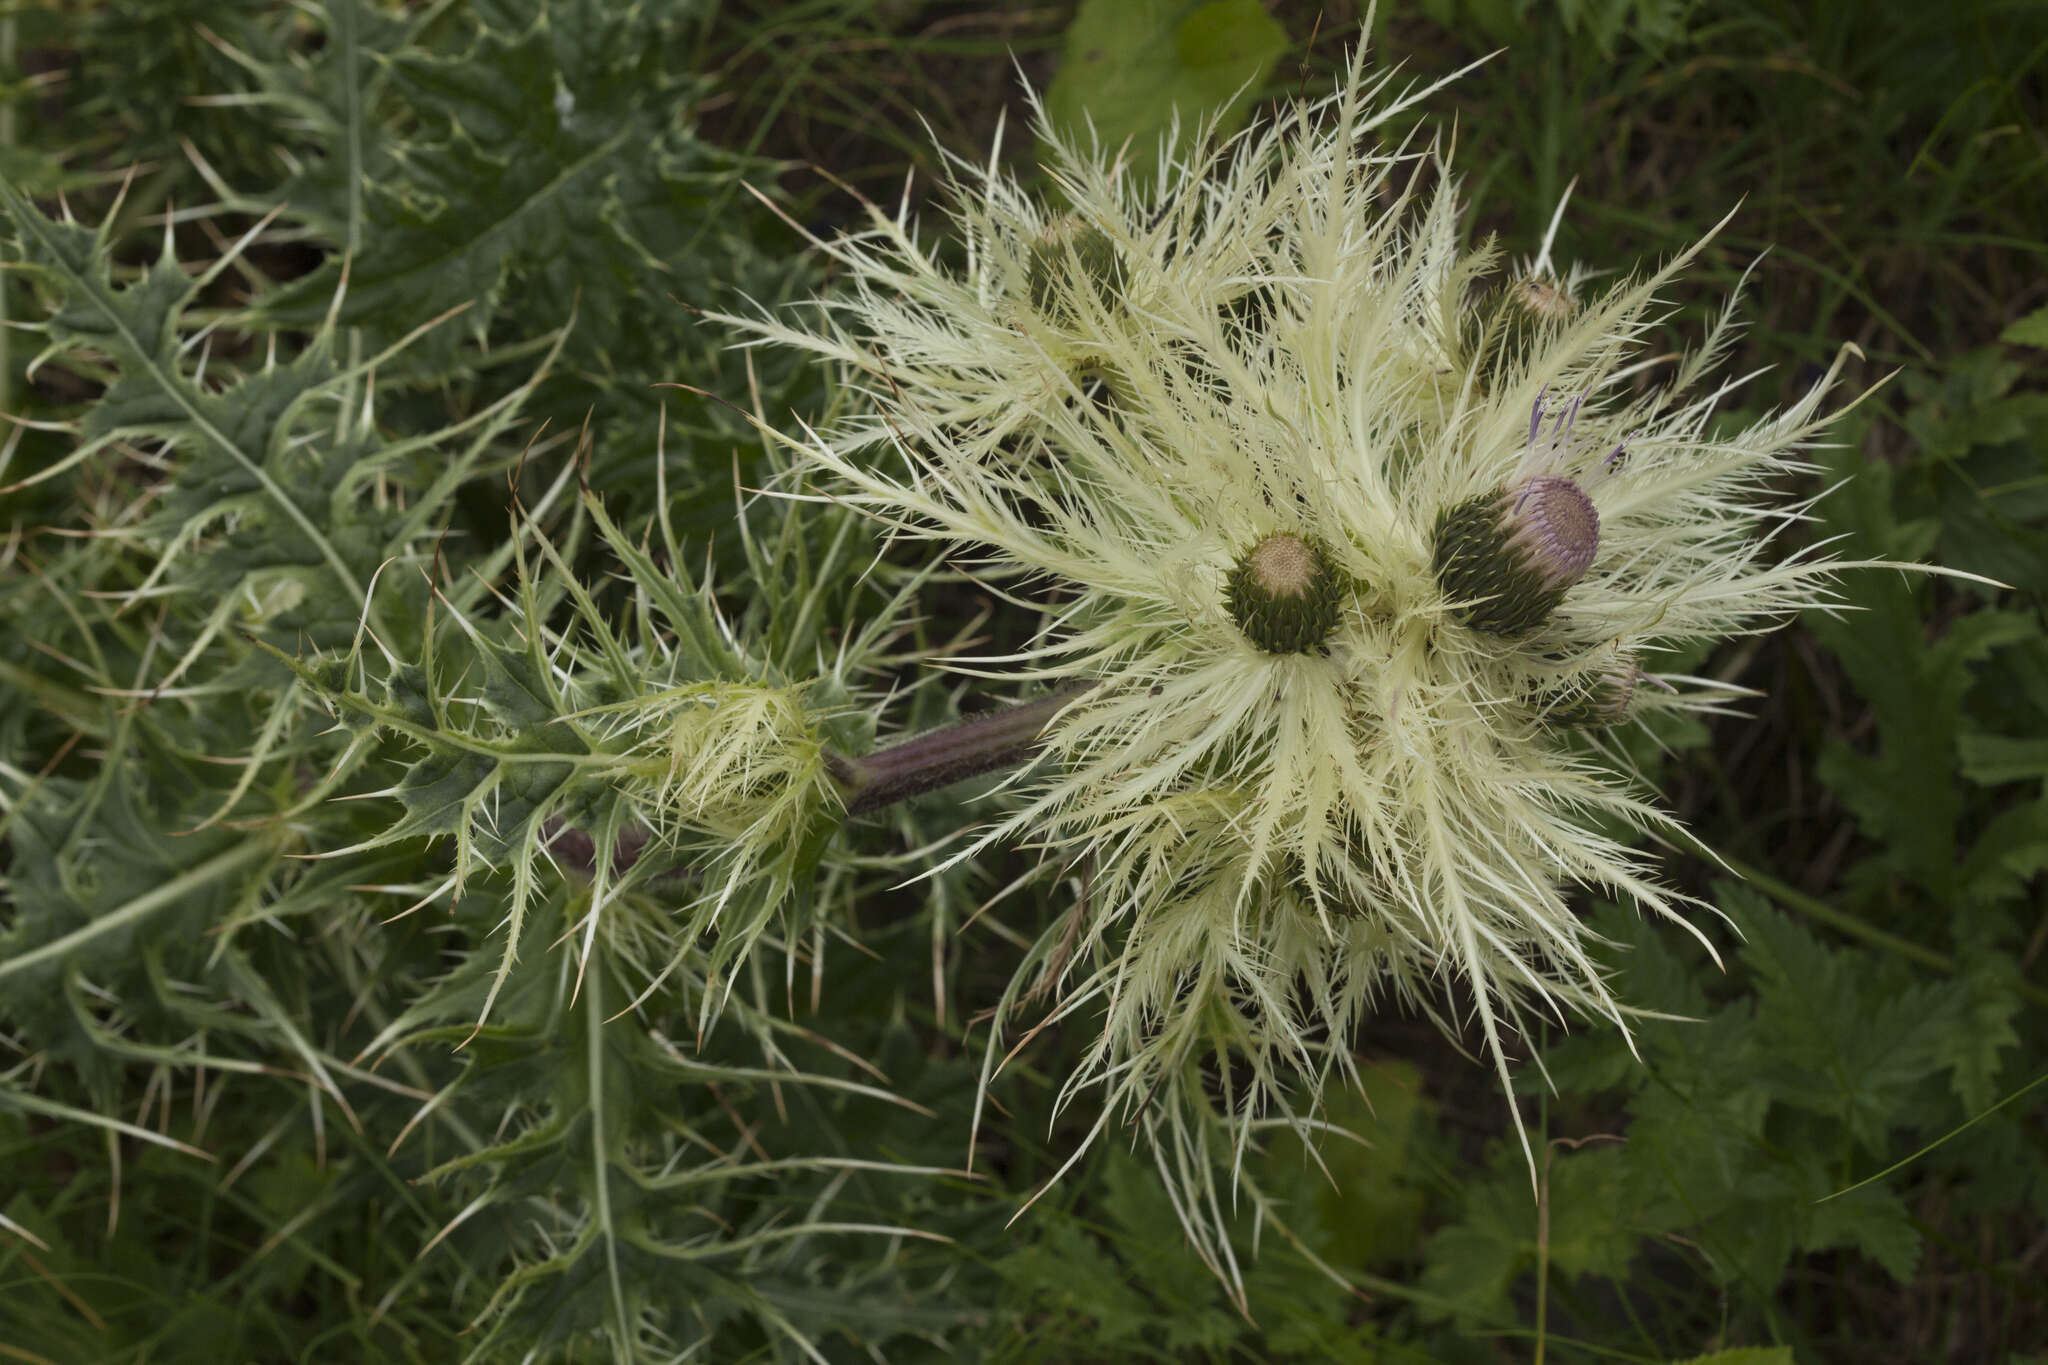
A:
{"x": 1277, "y": 839}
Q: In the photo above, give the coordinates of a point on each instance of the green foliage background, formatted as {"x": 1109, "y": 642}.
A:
{"x": 335, "y": 381}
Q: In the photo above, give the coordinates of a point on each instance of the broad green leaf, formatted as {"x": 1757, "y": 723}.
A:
{"x": 1995, "y": 759}
{"x": 1131, "y": 68}
{"x": 2031, "y": 330}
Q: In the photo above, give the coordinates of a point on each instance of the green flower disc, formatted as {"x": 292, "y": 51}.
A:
{"x": 1284, "y": 594}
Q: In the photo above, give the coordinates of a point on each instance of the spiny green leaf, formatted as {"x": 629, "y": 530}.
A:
{"x": 152, "y": 395}
{"x": 546, "y": 156}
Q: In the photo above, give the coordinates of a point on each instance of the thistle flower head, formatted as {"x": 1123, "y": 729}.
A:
{"x": 1600, "y": 696}
{"x": 1053, "y": 301}
{"x": 1508, "y": 557}
{"x": 741, "y": 759}
{"x": 1533, "y": 298}
{"x": 1341, "y": 582}
{"x": 1284, "y": 594}
{"x": 738, "y": 773}
{"x": 1516, "y": 318}
{"x": 1072, "y": 257}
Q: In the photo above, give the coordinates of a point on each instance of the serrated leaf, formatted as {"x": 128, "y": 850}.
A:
{"x": 1593, "y": 1228}
{"x": 1988, "y": 986}
{"x": 2010, "y": 850}
{"x": 1970, "y": 404}
{"x": 1874, "y": 1221}
{"x": 1980, "y": 439}
{"x": 1916, "y": 689}
{"x": 1993, "y": 759}
{"x": 1132, "y": 1286}
{"x": 1852, "y": 1046}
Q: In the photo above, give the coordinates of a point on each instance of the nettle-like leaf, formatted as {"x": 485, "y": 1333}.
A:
{"x": 1591, "y": 1231}
{"x": 1751, "y": 1117}
{"x": 1748, "y": 1127}
{"x": 1915, "y": 686}
{"x": 1744, "y": 1118}
{"x": 1863, "y": 1078}
{"x": 1982, "y": 437}
{"x": 1958, "y": 714}
{"x": 1095, "y": 1280}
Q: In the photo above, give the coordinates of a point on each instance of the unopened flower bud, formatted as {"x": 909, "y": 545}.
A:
{"x": 1593, "y": 700}
{"x": 1068, "y": 255}
{"x": 1505, "y": 559}
{"x": 1520, "y": 316}
{"x": 1284, "y": 595}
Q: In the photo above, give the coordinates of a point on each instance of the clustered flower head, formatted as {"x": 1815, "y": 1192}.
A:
{"x": 1355, "y": 531}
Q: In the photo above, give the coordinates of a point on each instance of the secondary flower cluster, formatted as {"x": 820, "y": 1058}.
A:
{"x": 1351, "y": 528}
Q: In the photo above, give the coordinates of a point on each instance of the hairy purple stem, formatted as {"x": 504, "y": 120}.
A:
{"x": 953, "y": 753}
{"x": 935, "y": 759}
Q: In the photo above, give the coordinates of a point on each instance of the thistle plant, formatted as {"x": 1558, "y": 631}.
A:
{"x": 1359, "y": 545}
{"x": 475, "y": 882}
